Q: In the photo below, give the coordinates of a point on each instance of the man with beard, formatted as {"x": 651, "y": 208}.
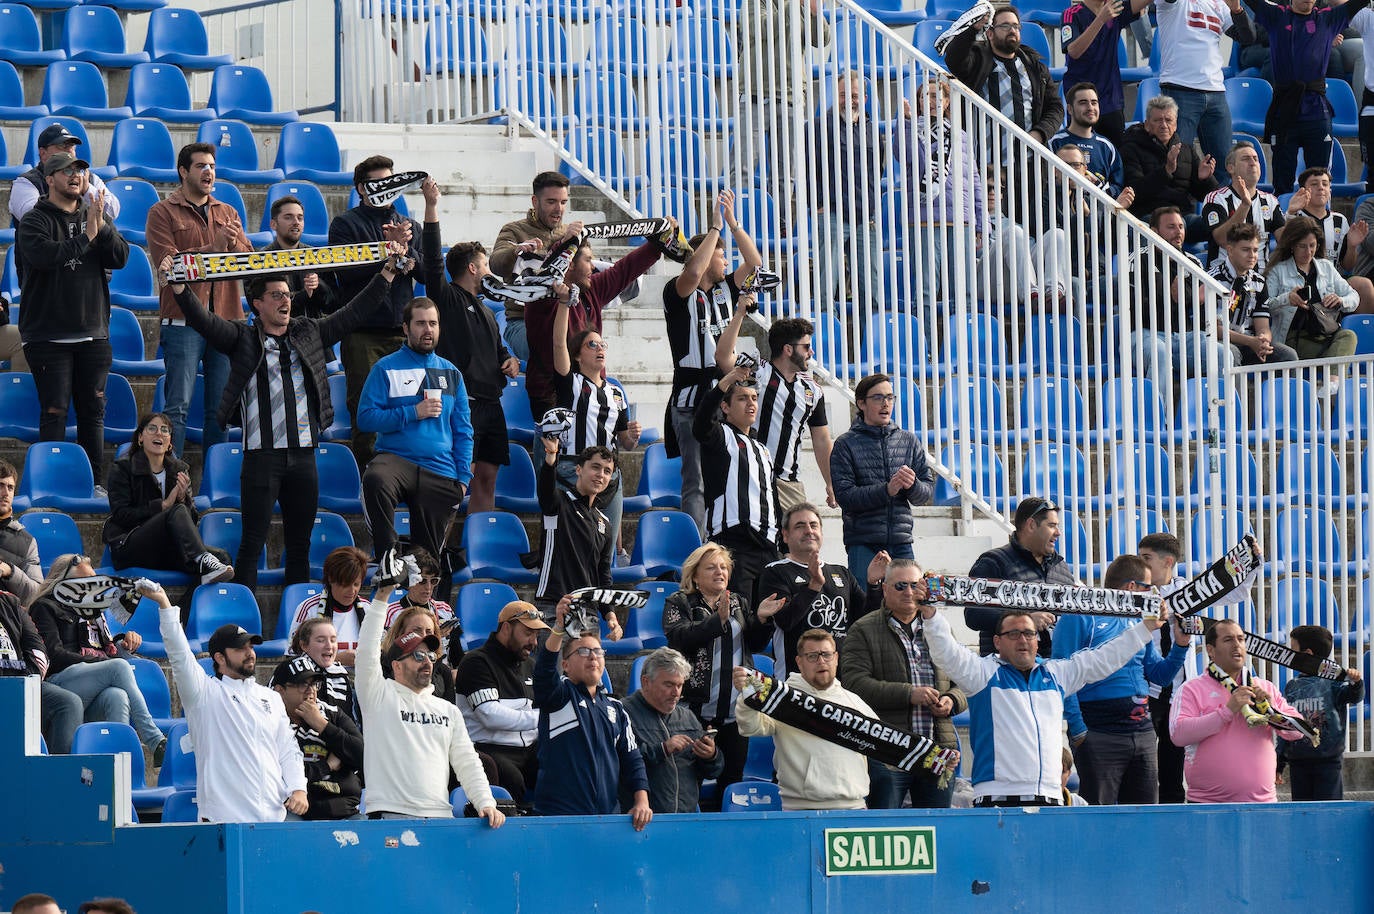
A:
{"x": 249, "y": 767}
{"x": 1009, "y": 74}
{"x": 67, "y": 246}
{"x": 309, "y": 296}
{"x": 495, "y": 687}
{"x": 1103, "y": 162}
{"x": 330, "y": 742}
{"x": 819, "y": 595}
{"x": 417, "y": 404}
{"x": 678, "y": 753}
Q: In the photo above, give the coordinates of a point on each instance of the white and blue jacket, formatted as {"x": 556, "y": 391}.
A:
{"x": 386, "y": 406}
{"x": 1016, "y": 719}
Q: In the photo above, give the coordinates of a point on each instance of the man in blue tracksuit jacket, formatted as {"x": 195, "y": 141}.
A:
{"x": 586, "y": 743}
{"x": 417, "y": 405}
{"x": 1114, "y": 743}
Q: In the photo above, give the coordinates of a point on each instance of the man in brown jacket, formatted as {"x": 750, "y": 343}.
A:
{"x": 191, "y": 219}
{"x": 885, "y": 662}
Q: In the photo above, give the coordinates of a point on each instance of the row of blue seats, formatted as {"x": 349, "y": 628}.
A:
{"x": 95, "y": 33}
{"x": 142, "y": 147}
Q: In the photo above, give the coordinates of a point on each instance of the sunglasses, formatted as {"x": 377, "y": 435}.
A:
{"x": 421, "y": 656}
{"x": 1045, "y": 505}
{"x": 903, "y": 585}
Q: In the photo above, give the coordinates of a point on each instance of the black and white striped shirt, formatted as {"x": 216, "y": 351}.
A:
{"x": 275, "y": 406}
{"x": 1008, "y": 90}
{"x": 736, "y": 474}
{"x": 694, "y": 325}
{"x": 785, "y": 409}
{"x": 600, "y": 412}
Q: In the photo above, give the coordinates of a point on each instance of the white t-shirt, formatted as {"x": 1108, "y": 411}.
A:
{"x": 1190, "y": 42}
{"x": 1363, "y": 22}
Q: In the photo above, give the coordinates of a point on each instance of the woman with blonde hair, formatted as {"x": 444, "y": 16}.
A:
{"x": 716, "y": 630}
{"x": 420, "y": 619}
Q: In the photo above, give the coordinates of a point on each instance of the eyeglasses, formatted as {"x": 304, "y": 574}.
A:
{"x": 421, "y": 656}
{"x": 881, "y": 398}
{"x": 1007, "y": 27}
{"x": 310, "y": 685}
{"x": 903, "y": 585}
{"x": 1083, "y": 165}
{"x": 432, "y": 581}
{"x": 598, "y": 345}
{"x": 72, "y": 171}
{"x": 1020, "y": 634}
{"x": 158, "y": 429}
{"x": 590, "y": 652}
{"x": 277, "y": 295}
{"x": 817, "y": 656}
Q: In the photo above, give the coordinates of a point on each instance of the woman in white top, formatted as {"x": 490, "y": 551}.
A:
{"x": 1299, "y": 279}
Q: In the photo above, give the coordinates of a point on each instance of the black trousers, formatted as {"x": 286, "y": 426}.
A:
{"x": 390, "y": 480}
{"x": 1170, "y": 756}
{"x": 288, "y": 476}
{"x": 751, "y": 554}
{"x": 516, "y": 768}
{"x": 167, "y": 541}
{"x": 68, "y": 374}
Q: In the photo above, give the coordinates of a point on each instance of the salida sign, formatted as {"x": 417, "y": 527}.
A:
{"x": 879, "y": 851}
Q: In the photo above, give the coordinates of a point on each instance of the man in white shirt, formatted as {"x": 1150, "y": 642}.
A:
{"x": 1190, "y": 68}
{"x": 249, "y": 766}
{"x": 413, "y": 738}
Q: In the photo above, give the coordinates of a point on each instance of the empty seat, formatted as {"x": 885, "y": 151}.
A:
{"x": 111, "y": 738}
{"x": 1052, "y": 406}
{"x": 542, "y": 38}
{"x": 8, "y": 173}
{"x": 478, "y": 606}
{"x": 126, "y": 339}
{"x": 20, "y": 41}
{"x": 292, "y": 596}
{"x": 214, "y": 605}
{"x": 341, "y": 485}
{"x": 660, "y": 477}
{"x": 528, "y": 90}
{"x": 12, "y": 107}
{"x": 181, "y": 806}
{"x": 461, "y": 48}
{"x": 1311, "y": 474}
{"x": 309, "y": 152}
{"x": 664, "y": 540}
{"x": 1059, "y": 472}
{"x": 18, "y": 406}
{"x": 1249, "y": 101}
{"x": 515, "y": 482}
{"x": 133, "y": 285}
{"x": 136, "y": 197}
{"x": 602, "y": 152}
{"x": 177, "y": 36}
{"x": 242, "y": 93}
{"x": 1308, "y": 541}
{"x": 220, "y": 484}
{"x": 95, "y": 34}
{"x": 312, "y": 201}
{"x": 515, "y": 402}
{"x": 228, "y": 193}
{"x": 619, "y": 44}
{"x": 704, "y": 45}
{"x": 55, "y": 534}
{"x": 986, "y": 474}
{"x": 1142, "y": 474}
{"x": 494, "y": 541}
{"x": 141, "y": 147}
{"x": 57, "y": 474}
{"x": 160, "y": 90}
{"x": 690, "y": 100}
{"x": 236, "y": 152}
{"x": 77, "y": 88}
{"x": 607, "y": 98}
{"x": 152, "y": 683}
{"x": 1345, "y": 120}
{"x": 341, "y": 429}
{"x": 687, "y": 160}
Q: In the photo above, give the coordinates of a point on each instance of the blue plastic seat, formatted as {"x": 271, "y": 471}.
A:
{"x": 20, "y": 41}
{"x": 242, "y": 93}
{"x": 1056, "y": 344}
{"x": 291, "y": 597}
{"x": 1286, "y": 407}
{"x": 987, "y": 475}
{"x": 927, "y": 32}
{"x": 758, "y": 764}
{"x": 542, "y": 38}
{"x": 236, "y": 152}
{"x": 160, "y": 90}
{"x": 661, "y": 477}
{"x": 179, "y": 763}
{"x": 1205, "y": 547}
{"x": 857, "y": 45}
{"x": 893, "y": 339}
{"x": 224, "y": 530}
{"x": 894, "y": 14}
{"x": 974, "y": 409}
{"x": 1059, "y": 472}
{"x": 12, "y": 107}
{"x": 1345, "y": 120}
{"x": 1249, "y": 100}
{"x": 664, "y": 540}
{"x": 111, "y": 738}
{"x": 1301, "y": 600}
{"x": 762, "y": 219}
{"x": 126, "y": 339}
{"x": 213, "y": 605}
{"x": 619, "y": 44}
{"x": 1362, "y": 325}
{"x": 130, "y": 6}
{"x": 177, "y": 36}
{"x": 687, "y": 160}
{"x": 149, "y": 629}
{"x": 690, "y": 100}
{"x": 341, "y": 485}
{"x": 57, "y": 474}
{"x": 341, "y": 429}
{"x": 515, "y": 483}
{"x": 309, "y": 152}
{"x": 528, "y": 90}
{"x": 95, "y": 34}
{"x": 607, "y": 98}
{"x": 77, "y": 88}
{"x": 136, "y": 197}
{"x": 141, "y": 147}
{"x": 1308, "y": 541}
{"x": 1138, "y": 401}
{"x": 329, "y": 532}
{"x": 1052, "y": 407}
{"x": 1130, "y": 74}
{"x": 312, "y": 201}
{"x": 515, "y": 402}
{"x": 703, "y": 45}
{"x": 55, "y": 533}
{"x": 121, "y": 411}
{"x": 1311, "y": 474}
{"x": 152, "y": 683}
{"x": 9, "y": 173}
{"x": 133, "y": 285}
{"x": 461, "y": 48}
{"x": 1149, "y": 87}
{"x": 478, "y": 606}
{"x": 752, "y": 796}
{"x": 494, "y": 541}
{"x": 18, "y": 406}
{"x": 1125, "y": 527}
{"x": 1153, "y": 470}
{"x": 648, "y": 619}
{"x": 181, "y": 807}
{"x": 220, "y": 483}
{"x": 228, "y": 193}
{"x": 602, "y": 152}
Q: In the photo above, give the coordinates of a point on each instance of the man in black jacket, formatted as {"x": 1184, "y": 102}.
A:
{"x": 1029, "y": 556}
{"x": 330, "y": 742}
{"x": 470, "y": 338}
{"x": 20, "y": 571}
{"x": 277, "y": 382}
{"x": 67, "y": 245}
{"x": 380, "y": 331}
{"x": 1164, "y": 171}
{"x": 1000, "y": 68}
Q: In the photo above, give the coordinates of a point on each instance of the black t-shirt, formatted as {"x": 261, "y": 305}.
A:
{"x": 834, "y": 608}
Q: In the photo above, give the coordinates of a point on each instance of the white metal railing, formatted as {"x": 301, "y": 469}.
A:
{"x": 291, "y": 41}
{"x": 1005, "y": 300}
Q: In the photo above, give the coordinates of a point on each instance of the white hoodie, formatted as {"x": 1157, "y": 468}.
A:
{"x": 412, "y": 738}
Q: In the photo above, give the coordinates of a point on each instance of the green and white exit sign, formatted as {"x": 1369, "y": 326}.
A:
{"x": 879, "y": 851}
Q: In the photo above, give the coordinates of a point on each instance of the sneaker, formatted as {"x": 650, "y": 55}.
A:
{"x": 212, "y": 570}
{"x": 101, "y": 493}
{"x": 1329, "y": 388}
{"x": 159, "y": 752}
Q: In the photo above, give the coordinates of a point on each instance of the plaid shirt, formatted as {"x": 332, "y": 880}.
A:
{"x": 913, "y": 641}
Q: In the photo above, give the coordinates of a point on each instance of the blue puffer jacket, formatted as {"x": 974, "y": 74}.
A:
{"x": 864, "y": 459}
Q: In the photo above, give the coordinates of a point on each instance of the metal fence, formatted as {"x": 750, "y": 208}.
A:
{"x": 293, "y": 41}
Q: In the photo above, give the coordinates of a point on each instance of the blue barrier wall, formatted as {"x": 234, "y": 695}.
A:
{"x": 1290, "y": 858}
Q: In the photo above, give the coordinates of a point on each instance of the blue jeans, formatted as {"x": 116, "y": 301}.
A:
{"x": 566, "y": 472}
{"x": 516, "y": 340}
{"x": 861, "y": 556}
{"x": 888, "y": 786}
{"x": 63, "y": 712}
{"x": 693, "y": 495}
{"x": 1313, "y": 138}
{"x": 184, "y": 351}
{"x": 1157, "y": 349}
{"x": 846, "y": 241}
{"x": 1206, "y": 117}
{"x": 108, "y": 687}
{"x": 938, "y": 285}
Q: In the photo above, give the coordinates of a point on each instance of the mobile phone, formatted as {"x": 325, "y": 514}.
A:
{"x": 711, "y": 732}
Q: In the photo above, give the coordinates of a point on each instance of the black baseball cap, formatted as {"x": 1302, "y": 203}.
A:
{"x": 60, "y": 160}
{"x": 231, "y": 635}
{"x": 296, "y": 671}
{"x": 56, "y": 133}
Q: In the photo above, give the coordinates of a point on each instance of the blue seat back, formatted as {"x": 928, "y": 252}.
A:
{"x": 479, "y": 604}
{"x": 142, "y": 141}
{"x": 237, "y": 87}
{"x": 158, "y": 85}
{"x": 108, "y": 738}
{"x": 312, "y": 201}
{"x": 292, "y": 596}
{"x": 214, "y": 605}
{"x": 176, "y": 31}
{"x": 308, "y": 145}
{"x": 665, "y": 538}
{"x": 75, "y": 82}
{"x": 55, "y": 534}
{"x": 235, "y": 145}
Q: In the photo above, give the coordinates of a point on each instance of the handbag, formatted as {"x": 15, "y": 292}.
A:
{"x": 1315, "y": 322}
